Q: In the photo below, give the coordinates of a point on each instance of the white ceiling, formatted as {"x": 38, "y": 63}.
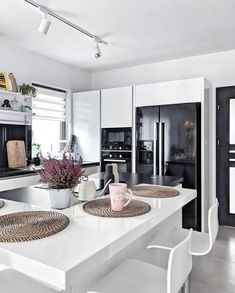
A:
{"x": 138, "y": 31}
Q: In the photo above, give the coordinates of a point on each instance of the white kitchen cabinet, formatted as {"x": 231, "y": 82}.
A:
{"x": 116, "y": 107}
{"x": 170, "y": 92}
{"x": 86, "y": 124}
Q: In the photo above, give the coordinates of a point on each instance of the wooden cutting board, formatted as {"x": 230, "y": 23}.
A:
{"x": 16, "y": 154}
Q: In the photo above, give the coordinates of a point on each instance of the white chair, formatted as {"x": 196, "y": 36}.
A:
{"x": 201, "y": 242}
{"x": 12, "y": 281}
{"x": 134, "y": 276}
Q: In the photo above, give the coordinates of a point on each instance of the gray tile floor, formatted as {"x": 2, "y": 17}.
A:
{"x": 215, "y": 272}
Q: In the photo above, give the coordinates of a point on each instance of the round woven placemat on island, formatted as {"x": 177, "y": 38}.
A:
{"x": 102, "y": 208}
{"x": 154, "y": 191}
{"x": 32, "y": 225}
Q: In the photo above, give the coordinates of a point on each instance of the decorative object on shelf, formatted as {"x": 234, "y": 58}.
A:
{"x": 15, "y": 104}
{"x": 27, "y": 89}
{"x": 31, "y": 225}
{"x": 102, "y": 208}
{"x": 108, "y": 175}
{"x": 118, "y": 192}
{"x": 61, "y": 176}
{"x": 154, "y": 191}
{"x": 87, "y": 189}
{"x": 6, "y": 105}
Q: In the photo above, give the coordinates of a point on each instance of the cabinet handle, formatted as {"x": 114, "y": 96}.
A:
{"x": 113, "y": 160}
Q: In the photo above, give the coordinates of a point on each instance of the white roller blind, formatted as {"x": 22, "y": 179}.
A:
{"x": 49, "y": 104}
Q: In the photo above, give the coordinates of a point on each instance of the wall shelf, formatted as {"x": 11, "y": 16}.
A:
{"x": 14, "y": 94}
{"x": 16, "y": 113}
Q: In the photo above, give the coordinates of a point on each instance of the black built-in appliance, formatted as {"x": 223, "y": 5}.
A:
{"x": 116, "y": 147}
{"x": 169, "y": 143}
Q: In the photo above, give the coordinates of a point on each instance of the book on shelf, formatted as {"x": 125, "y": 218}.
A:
{"x": 4, "y": 81}
{"x": 8, "y": 82}
{"x": 13, "y": 82}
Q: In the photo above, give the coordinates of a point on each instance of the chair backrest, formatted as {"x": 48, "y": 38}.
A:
{"x": 179, "y": 265}
{"x": 213, "y": 223}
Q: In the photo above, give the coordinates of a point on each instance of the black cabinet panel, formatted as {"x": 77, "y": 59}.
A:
{"x": 14, "y": 132}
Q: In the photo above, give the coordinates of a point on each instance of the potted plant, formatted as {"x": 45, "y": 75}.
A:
{"x": 61, "y": 177}
{"x": 27, "y": 89}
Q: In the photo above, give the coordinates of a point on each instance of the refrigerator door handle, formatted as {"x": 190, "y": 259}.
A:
{"x": 155, "y": 149}
{"x": 160, "y": 148}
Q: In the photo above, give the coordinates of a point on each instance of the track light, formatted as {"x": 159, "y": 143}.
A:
{"x": 98, "y": 53}
{"x": 44, "y": 26}
{"x": 45, "y": 23}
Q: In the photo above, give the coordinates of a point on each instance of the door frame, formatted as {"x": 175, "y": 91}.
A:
{"x": 223, "y": 96}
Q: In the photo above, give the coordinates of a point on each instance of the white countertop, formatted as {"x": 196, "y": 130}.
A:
{"x": 86, "y": 243}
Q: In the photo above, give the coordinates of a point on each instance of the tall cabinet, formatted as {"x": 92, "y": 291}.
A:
{"x": 86, "y": 124}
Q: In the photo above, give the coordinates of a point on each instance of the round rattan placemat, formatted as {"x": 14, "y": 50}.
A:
{"x": 102, "y": 208}
{"x": 154, "y": 191}
{"x": 32, "y": 225}
{"x": 2, "y": 204}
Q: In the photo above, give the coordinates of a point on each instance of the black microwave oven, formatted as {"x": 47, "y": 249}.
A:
{"x": 116, "y": 138}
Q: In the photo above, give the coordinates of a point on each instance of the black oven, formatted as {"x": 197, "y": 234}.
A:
{"x": 121, "y": 158}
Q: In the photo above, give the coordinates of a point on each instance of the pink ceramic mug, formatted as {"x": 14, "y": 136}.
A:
{"x": 118, "y": 193}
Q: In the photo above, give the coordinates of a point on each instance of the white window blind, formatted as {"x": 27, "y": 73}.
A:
{"x": 49, "y": 105}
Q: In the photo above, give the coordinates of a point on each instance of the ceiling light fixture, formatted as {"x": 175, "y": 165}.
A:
{"x": 98, "y": 52}
{"x": 45, "y": 24}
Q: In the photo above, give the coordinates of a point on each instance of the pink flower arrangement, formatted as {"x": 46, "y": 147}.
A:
{"x": 61, "y": 174}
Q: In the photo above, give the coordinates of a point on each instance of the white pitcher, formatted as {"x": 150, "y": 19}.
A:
{"x": 87, "y": 190}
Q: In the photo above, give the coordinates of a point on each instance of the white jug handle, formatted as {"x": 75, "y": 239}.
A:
{"x": 131, "y": 197}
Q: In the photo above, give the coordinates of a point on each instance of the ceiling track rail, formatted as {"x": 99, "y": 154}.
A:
{"x": 78, "y": 28}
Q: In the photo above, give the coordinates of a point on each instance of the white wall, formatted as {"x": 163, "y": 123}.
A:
{"x": 28, "y": 66}
{"x": 217, "y": 68}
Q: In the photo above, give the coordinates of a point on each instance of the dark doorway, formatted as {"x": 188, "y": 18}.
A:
{"x": 225, "y": 154}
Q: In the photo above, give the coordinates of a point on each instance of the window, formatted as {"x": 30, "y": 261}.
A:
{"x": 48, "y": 124}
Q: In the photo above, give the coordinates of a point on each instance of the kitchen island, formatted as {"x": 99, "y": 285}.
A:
{"x": 74, "y": 259}
{"x": 22, "y": 187}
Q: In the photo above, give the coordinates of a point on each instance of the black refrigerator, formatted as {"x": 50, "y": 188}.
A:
{"x": 169, "y": 143}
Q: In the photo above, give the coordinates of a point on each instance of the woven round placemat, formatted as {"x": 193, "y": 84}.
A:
{"x": 32, "y": 225}
{"x": 2, "y": 204}
{"x": 102, "y": 208}
{"x": 154, "y": 191}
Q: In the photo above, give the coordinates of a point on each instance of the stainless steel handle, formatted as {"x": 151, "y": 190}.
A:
{"x": 155, "y": 149}
{"x": 160, "y": 149}
{"x": 113, "y": 160}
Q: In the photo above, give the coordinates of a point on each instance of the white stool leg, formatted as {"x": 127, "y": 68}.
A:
{"x": 186, "y": 286}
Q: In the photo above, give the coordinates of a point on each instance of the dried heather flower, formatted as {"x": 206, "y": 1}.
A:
{"x": 61, "y": 174}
